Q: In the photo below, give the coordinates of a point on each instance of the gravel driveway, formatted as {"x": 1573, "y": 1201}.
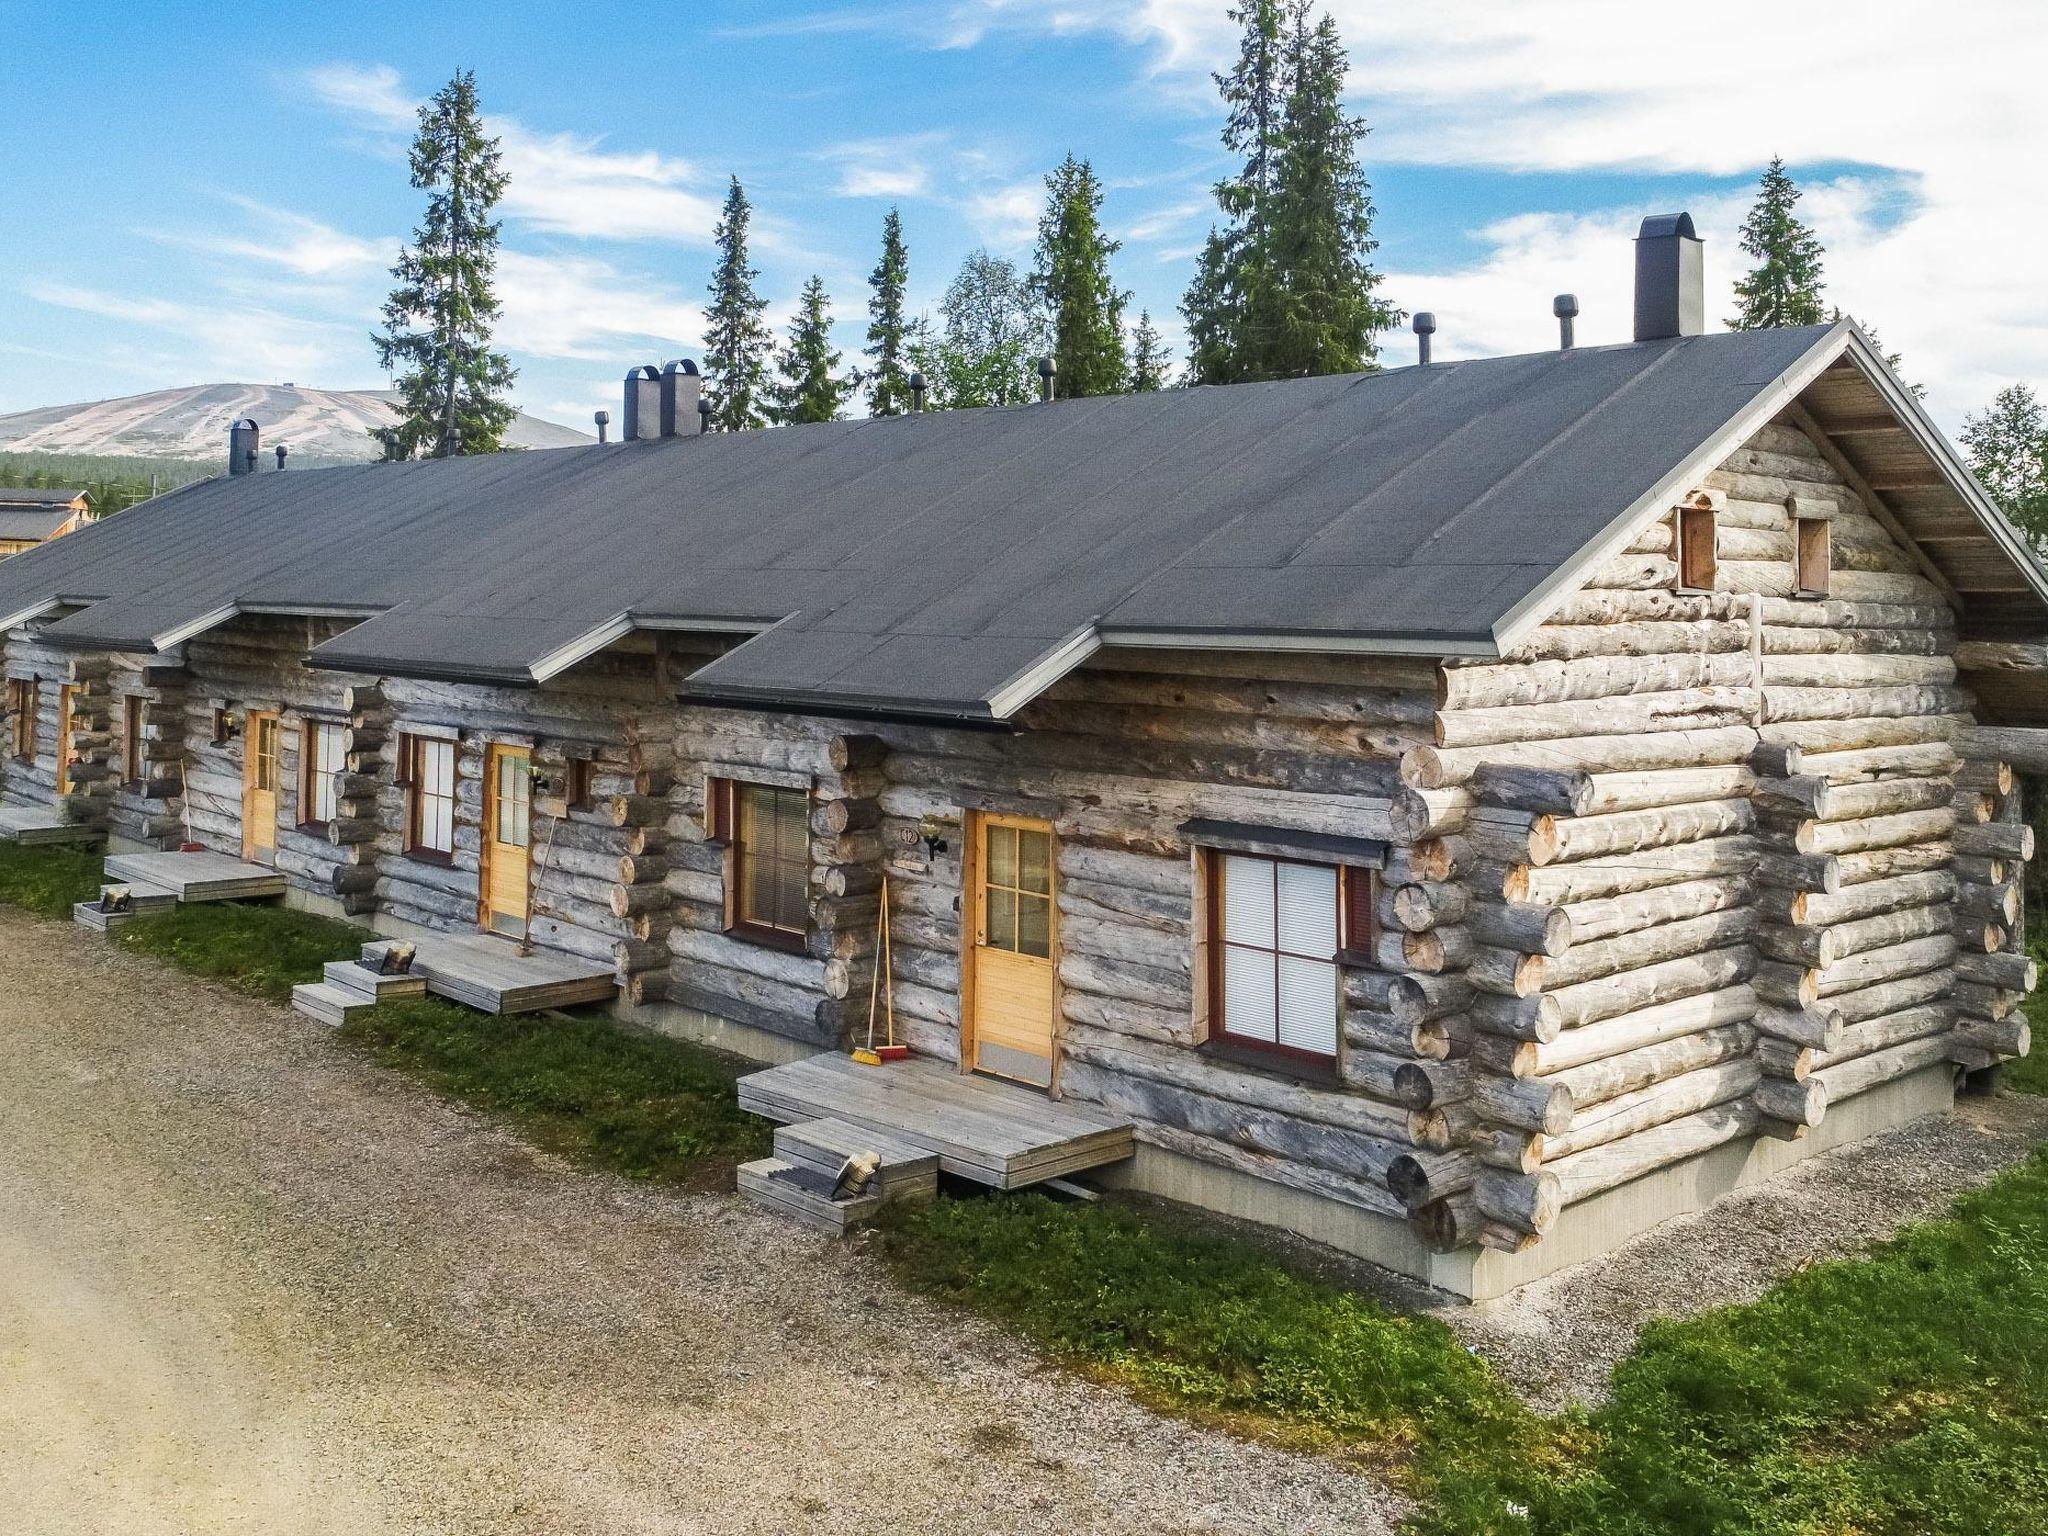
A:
{"x": 249, "y": 1283}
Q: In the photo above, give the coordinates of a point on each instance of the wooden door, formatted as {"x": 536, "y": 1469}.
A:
{"x": 259, "y": 787}
{"x": 64, "y": 740}
{"x": 1014, "y": 949}
{"x": 508, "y": 836}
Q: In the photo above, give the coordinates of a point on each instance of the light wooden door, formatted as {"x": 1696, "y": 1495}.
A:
{"x": 1013, "y": 956}
{"x": 64, "y": 740}
{"x": 508, "y": 837}
{"x": 259, "y": 788}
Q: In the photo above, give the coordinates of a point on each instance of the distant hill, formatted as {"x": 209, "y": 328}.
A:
{"x": 317, "y": 425}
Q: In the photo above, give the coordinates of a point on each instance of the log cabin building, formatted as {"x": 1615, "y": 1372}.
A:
{"x": 1464, "y": 813}
{"x": 34, "y": 514}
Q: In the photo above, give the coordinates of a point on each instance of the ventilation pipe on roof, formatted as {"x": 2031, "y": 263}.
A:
{"x": 703, "y": 413}
{"x": 642, "y": 415}
{"x": 242, "y": 437}
{"x": 603, "y": 420}
{"x": 1048, "y": 371}
{"x": 1566, "y": 307}
{"x": 279, "y": 450}
{"x": 1671, "y": 288}
{"x": 917, "y": 387}
{"x": 1425, "y": 327}
{"x": 682, "y": 391}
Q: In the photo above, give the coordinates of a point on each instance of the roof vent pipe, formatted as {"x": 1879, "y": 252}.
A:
{"x": 242, "y": 437}
{"x": 703, "y": 414}
{"x": 603, "y": 420}
{"x": 1425, "y": 327}
{"x": 1566, "y": 307}
{"x": 642, "y": 415}
{"x": 279, "y": 450}
{"x": 1048, "y": 370}
{"x": 682, "y": 387}
{"x": 1671, "y": 288}
{"x": 916, "y": 391}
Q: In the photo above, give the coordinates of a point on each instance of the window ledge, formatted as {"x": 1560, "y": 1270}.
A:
{"x": 1276, "y": 1061}
{"x": 769, "y": 938}
{"x": 431, "y": 856}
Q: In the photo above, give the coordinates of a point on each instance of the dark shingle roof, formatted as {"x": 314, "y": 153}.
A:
{"x": 37, "y": 496}
{"x": 948, "y": 563}
{"x": 31, "y": 523}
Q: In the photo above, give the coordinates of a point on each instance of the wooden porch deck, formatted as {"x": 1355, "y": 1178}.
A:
{"x": 29, "y": 825}
{"x": 486, "y": 972}
{"x": 196, "y": 876}
{"x": 983, "y": 1130}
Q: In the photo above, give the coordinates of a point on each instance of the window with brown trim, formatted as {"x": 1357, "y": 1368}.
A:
{"x": 1277, "y": 930}
{"x": 767, "y": 831}
{"x": 1696, "y": 561}
{"x": 1812, "y": 555}
{"x": 320, "y": 758}
{"x": 134, "y": 719}
{"x": 66, "y": 752}
{"x": 25, "y": 703}
{"x": 427, "y": 767}
{"x": 581, "y": 770}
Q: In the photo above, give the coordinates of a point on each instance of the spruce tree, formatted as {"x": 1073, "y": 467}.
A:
{"x": 1149, "y": 362}
{"x": 1325, "y": 306}
{"x": 811, "y": 387}
{"x": 437, "y": 321}
{"x": 2008, "y": 449}
{"x": 1784, "y": 288}
{"x": 737, "y": 342}
{"x": 1083, "y": 309}
{"x": 889, "y": 377}
{"x": 1230, "y": 293}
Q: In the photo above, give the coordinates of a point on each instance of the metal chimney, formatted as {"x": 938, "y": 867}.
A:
{"x": 682, "y": 387}
{"x": 242, "y": 437}
{"x": 1671, "y": 287}
{"x": 1566, "y": 307}
{"x": 703, "y": 413}
{"x": 1425, "y": 327}
{"x": 603, "y": 420}
{"x": 917, "y": 387}
{"x": 642, "y": 415}
{"x": 1048, "y": 371}
{"x": 279, "y": 450}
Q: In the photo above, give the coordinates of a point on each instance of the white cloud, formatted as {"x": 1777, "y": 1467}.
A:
{"x": 890, "y": 167}
{"x": 241, "y": 343}
{"x": 373, "y": 93}
{"x": 1944, "y": 100}
{"x": 1007, "y": 216}
{"x": 580, "y": 307}
{"x": 302, "y": 245}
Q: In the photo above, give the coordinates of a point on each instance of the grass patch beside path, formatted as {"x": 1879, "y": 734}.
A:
{"x": 261, "y": 949}
{"x": 50, "y": 879}
{"x": 1903, "y": 1392}
{"x": 637, "y": 1104}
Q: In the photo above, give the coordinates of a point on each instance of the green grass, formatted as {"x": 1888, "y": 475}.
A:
{"x": 637, "y": 1104}
{"x": 1903, "y": 1392}
{"x": 48, "y": 880}
{"x": 263, "y": 950}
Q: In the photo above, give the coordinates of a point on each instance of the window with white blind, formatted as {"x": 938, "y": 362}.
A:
{"x": 1278, "y": 926}
{"x": 320, "y": 771}
{"x": 429, "y": 763}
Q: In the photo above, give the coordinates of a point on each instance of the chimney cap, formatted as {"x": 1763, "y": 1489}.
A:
{"x": 604, "y": 418}
{"x": 644, "y": 371}
{"x": 1424, "y": 323}
{"x": 682, "y": 365}
{"x": 1565, "y": 305}
{"x": 1662, "y": 226}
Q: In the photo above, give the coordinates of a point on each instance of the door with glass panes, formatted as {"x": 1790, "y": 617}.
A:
{"x": 1014, "y": 951}
{"x": 508, "y": 838}
{"x": 259, "y": 787}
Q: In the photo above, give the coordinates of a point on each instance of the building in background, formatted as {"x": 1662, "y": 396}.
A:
{"x": 32, "y": 515}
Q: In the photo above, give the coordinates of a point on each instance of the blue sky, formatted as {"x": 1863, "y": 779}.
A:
{"x": 205, "y": 192}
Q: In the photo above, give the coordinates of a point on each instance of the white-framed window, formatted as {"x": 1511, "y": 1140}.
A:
{"x": 320, "y": 760}
{"x": 1277, "y": 929}
{"x": 428, "y": 766}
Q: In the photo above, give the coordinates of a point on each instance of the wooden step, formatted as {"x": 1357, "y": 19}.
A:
{"x": 908, "y": 1171}
{"x": 371, "y": 985}
{"x": 329, "y": 1004}
{"x": 804, "y": 1194}
{"x": 142, "y": 900}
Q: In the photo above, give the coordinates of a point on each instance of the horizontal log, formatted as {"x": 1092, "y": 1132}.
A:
{"x": 1643, "y": 1109}
{"x": 1597, "y": 1169}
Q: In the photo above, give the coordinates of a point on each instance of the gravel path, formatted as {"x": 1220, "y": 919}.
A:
{"x": 249, "y": 1283}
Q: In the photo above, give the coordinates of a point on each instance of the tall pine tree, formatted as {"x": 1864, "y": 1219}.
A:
{"x": 887, "y": 349}
{"x": 2008, "y": 448}
{"x": 811, "y": 387}
{"x": 1784, "y": 287}
{"x": 437, "y": 321}
{"x": 1231, "y": 287}
{"x": 1149, "y": 364}
{"x": 1071, "y": 280}
{"x": 737, "y": 342}
{"x": 1325, "y": 306}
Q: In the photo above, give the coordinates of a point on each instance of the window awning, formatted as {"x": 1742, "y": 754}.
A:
{"x": 1285, "y": 843}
